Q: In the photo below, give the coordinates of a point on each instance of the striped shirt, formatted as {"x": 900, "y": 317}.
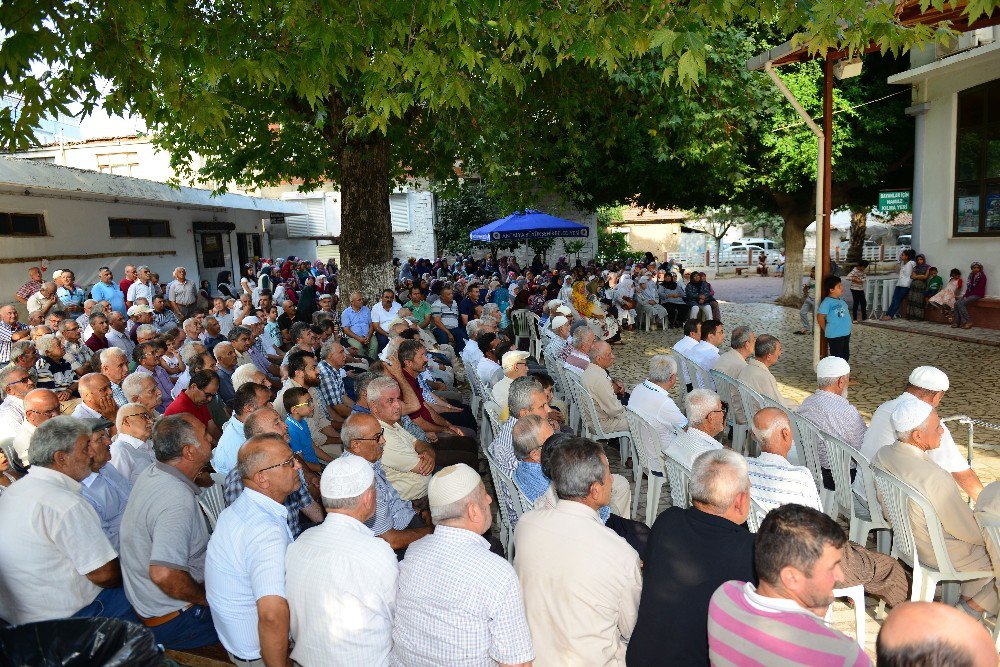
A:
{"x": 458, "y": 604}
{"x": 244, "y": 563}
{"x": 775, "y": 482}
{"x": 835, "y": 415}
{"x": 746, "y": 628}
{"x": 502, "y": 450}
{"x": 165, "y": 319}
{"x": 118, "y": 394}
{"x": 6, "y": 333}
{"x": 391, "y": 511}
{"x": 78, "y": 355}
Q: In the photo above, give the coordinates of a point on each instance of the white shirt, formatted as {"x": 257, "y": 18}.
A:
{"x": 138, "y": 289}
{"x": 382, "y": 317}
{"x": 471, "y": 354}
{"x": 130, "y": 455}
{"x": 121, "y": 341}
{"x": 11, "y": 414}
{"x": 658, "y": 408}
{"x": 774, "y": 482}
{"x": 485, "y": 369}
{"x": 341, "y": 590}
{"x": 688, "y": 445}
{"x": 52, "y": 539}
{"x": 881, "y": 433}
{"x": 905, "y": 273}
{"x": 245, "y": 562}
{"x": 683, "y": 346}
{"x": 22, "y": 440}
{"x": 36, "y": 301}
{"x": 704, "y": 354}
{"x": 225, "y": 453}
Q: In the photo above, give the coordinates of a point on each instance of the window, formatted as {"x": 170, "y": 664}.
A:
{"x": 399, "y": 210}
{"x": 120, "y": 164}
{"x": 134, "y": 227}
{"x": 977, "y": 162}
{"x": 22, "y": 224}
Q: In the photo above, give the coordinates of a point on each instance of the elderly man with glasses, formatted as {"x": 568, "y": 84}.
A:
{"x": 40, "y": 405}
{"x": 132, "y": 449}
{"x": 15, "y": 383}
{"x": 105, "y": 488}
{"x": 79, "y": 356}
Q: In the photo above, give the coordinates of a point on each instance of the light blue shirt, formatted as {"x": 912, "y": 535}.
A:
{"x": 110, "y": 293}
{"x": 107, "y": 491}
{"x": 74, "y": 296}
{"x": 245, "y": 562}
{"x": 838, "y": 317}
{"x": 224, "y": 455}
{"x": 359, "y": 322}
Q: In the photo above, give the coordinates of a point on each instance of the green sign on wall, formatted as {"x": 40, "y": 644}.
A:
{"x": 892, "y": 201}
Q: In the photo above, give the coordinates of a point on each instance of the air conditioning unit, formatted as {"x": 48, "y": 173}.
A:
{"x": 966, "y": 41}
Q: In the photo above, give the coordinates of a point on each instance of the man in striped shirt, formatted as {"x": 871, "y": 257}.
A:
{"x": 780, "y": 622}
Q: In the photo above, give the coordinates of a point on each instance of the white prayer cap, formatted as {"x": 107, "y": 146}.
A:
{"x": 552, "y": 304}
{"x": 559, "y": 321}
{"x": 832, "y": 367}
{"x": 251, "y": 320}
{"x": 564, "y": 310}
{"x": 451, "y": 484}
{"x": 929, "y": 378}
{"x": 513, "y": 358}
{"x": 908, "y": 415}
{"x": 346, "y": 477}
{"x": 57, "y": 274}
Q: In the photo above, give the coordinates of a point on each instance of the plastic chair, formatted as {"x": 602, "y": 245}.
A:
{"x": 644, "y": 441}
{"x": 808, "y": 437}
{"x": 991, "y": 531}
{"x": 591, "y": 424}
{"x": 896, "y": 498}
{"x": 750, "y": 403}
{"x": 841, "y": 455}
{"x": 756, "y": 515}
{"x": 679, "y": 478}
{"x": 520, "y": 503}
{"x": 13, "y": 460}
{"x": 870, "y": 517}
{"x": 525, "y": 325}
{"x": 492, "y": 423}
{"x": 212, "y": 503}
{"x": 728, "y": 390}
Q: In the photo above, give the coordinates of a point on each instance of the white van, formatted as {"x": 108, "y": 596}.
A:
{"x": 766, "y": 244}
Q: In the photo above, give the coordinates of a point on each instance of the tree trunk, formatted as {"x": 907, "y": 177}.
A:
{"x": 366, "y": 224}
{"x": 859, "y": 226}
{"x": 797, "y": 217}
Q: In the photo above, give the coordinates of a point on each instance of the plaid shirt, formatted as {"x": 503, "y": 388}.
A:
{"x": 77, "y": 354}
{"x": 502, "y": 450}
{"x": 331, "y": 387}
{"x": 27, "y": 289}
{"x": 391, "y": 511}
{"x": 835, "y": 415}
{"x": 458, "y": 604}
{"x": 6, "y": 333}
{"x": 294, "y": 503}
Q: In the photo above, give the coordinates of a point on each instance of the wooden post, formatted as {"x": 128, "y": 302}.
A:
{"x": 823, "y": 242}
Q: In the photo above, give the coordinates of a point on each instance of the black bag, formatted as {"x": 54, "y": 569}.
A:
{"x": 79, "y": 642}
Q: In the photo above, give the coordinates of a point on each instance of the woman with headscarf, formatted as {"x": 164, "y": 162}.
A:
{"x": 290, "y": 292}
{"x": 566, "y": 293}
{"x": 288, "y": 268}
{"x": 223, "y": 281}
{"x": 975, "y": 289}
{"x": 671, "y": 296}
{"x": 625, "y": 300}
{"x": 307, "y": 302}
{"x": 918, "y": 288}
{"x": 597, "y": 319}
{"x": 697, "y": 295}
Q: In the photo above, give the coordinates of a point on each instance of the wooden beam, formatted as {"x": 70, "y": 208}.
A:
{"x": 94, "y": 255}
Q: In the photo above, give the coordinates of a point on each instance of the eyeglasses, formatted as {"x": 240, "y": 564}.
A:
{"x": 376, "y": 437}
{"x": 288, "y": 463}
{"x": 71, "y": 328}
{"x": 26, "y": 378}
{"x": 307, "y": 402}
{"x": 142, "y": 415}
{"x": 54, "y": 412}
{"x": 722, "y": 410}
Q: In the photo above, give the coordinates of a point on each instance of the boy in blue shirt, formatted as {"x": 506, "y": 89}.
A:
{"x": 835, "y": 318}
{"x": 299, "y": 406}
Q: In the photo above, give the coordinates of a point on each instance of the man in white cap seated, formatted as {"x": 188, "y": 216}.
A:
{"x": 919, "y": 432}
{"x": 515, "y": 366}
{"x": 341, "y": 579}
{"x": 575, "y": 355}
{"x": 926, "y": 384}
{"x": 455, "y": 598}
{"x": 560, "y": 331}
{"x": 830, "y": 410}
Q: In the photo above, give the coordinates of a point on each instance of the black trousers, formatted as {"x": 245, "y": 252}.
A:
{"x": 463, "y": 418}
{"x": 840, "y": 347}
{"x": 636, "y": 533}
{"x": 859, "y": 301}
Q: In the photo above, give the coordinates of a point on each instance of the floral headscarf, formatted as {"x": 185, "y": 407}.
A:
{"x": 580, "y": 300}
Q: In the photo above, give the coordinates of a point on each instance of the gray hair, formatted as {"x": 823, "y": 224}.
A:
{"x": 107, "y": 353}
{"x": 189, "y": 321}
{"x": 46, "y": 343}
{"x": 472, "y": 328}
{"x": 740, "y": 337}
{"x": 717, "y": 477}
{"x": 763, "y": 434}
{"x": 352, "y": 429}
{"x": 21, "y": 348}
{"x": 699, "y": 404}
{"x": 521, "y": 392}
{"x": 65, "y": 323}
{"x": 189, "y": 351}
{"x": 253, "y": 425}
{"x": 327, "y": 348}
{"x": 58, "y": 434}
{"x": 5, "y": 374}
{"x": 243, "y": 374}
{"x": 766, "y": 344}
{"x": 456, "y": 509}
{"x": 133, "y": 384}
{"x": 139, "y": 269}
{"x": 575, "y": 466}
{"x": 525, "y": 436}
{"x": 170, "y": 436}
{"x": 96, "y": 317}
{"x": 380, "y": 385}
{"x": 120, "y": 416}
{"x": 662, "y": 367}
{"x": 581, "y": 334}
{"x": 224, "y": 345}
{"x": 347, "y": 503}
{"x": 144, "y": 329}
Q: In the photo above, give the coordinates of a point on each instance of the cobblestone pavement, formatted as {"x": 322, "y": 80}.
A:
{"x": 881, "y": 360}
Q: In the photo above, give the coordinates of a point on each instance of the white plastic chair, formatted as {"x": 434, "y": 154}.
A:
{"x": 492, "y": 423}
{"x": 644, "y": 441}
{"x": 841, "y": 455}
{"x": 808, "y": 437}
{"x": 590, "y": 423}
{"x": 525, "y": 325}
{"x": 518, "y": 500}
{"x": 991, "y": 531}
{"x": 756, "y": 515}
{"x": 896, "y": 498}
{"x": 679, "y": 478}
{"x": 728, "y": 390}
{"x": 212, "y": 503}
{"x": 750, "y": 403}
{"x": 870, "y": 517}
{"x": 13, "y": 460}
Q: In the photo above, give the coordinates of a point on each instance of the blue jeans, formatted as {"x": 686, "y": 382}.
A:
{"x": 899, "y": 295}
{"x": 457, "y": 332}
{"x": 193, "y": 628}
{"x": 109, "y": 603}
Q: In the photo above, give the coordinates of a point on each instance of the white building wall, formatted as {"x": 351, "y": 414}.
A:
{"x": 419, "y": 241}
{"x": 935, "y": 100}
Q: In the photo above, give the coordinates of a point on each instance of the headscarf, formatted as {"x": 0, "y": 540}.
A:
{"x": 626, "y": 288}
{"x": 307, "y": 304}
{"x": 580, "y": 301}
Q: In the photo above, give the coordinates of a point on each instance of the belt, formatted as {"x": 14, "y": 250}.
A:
{"x": 157, "y": 621}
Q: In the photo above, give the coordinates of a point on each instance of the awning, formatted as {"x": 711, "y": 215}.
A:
{"x": 529, "y": 225}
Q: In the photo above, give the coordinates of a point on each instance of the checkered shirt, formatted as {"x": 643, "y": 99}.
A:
{"x": 331, "y": 387}
{"x": 502, "y": 449}
{"x": 391, "y": 511}
{"x": 294, "y": 503}
{"x": 77, "y": 354}
{"x": 835, "y": 415}
{"x": 458, "y": 604}
{"x": 166, "y": 319}
{"x": 6, "y": 332}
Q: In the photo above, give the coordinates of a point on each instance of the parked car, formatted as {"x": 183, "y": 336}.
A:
{"x": 764, "y": 244}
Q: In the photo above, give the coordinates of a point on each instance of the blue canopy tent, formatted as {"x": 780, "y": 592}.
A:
{"x": 528, "y": 226}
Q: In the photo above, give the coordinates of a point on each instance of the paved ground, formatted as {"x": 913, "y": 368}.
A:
{"x": 881, "y": 359}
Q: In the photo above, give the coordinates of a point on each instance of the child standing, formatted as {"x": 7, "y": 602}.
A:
{"x": 808, "y": 303}
{"x": 835, "y": 319}
{"x": 299, "y": 406}
{"x": 857, "y": 278}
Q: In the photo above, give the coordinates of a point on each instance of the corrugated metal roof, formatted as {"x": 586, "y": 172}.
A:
{"x": 42, "y": 176}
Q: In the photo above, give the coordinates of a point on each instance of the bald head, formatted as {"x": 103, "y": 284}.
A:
{"x": 773, "y": 430}
{"x": 931, "y": 633}
{"x": 40, "y": 405}
{"x": 260, "y": 452}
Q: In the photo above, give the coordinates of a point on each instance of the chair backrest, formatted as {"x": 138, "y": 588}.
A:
{"x": 841, "y": 454}
{"x": 518, "y": 499}
{"x": 212, "y": 503}
{"x": 492, "y": 410}
{"x": 866, "y": 472}
{"x": 679, "y": 478}
{"x": 808, "y": 437}
{"x": 756, "y": 515}
{"x": 13, "y": 460}
{"x": 645, "y": 443}
{"x": 727, "y": 390}
{"x": 585, "y": 402}
{"x": 896, "y": 497}
{"x": 521, "y": 319}
{"x": 990, "y": 526}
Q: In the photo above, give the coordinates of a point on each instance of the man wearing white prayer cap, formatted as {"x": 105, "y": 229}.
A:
{"x": 919, "y": 431}
{"x": 455, "y": 598}
{"x": 829, "y": 409}
{"x": 560, "y": 334}
{"x": 340, "y": 578}
{"x": 928, "y": 385}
